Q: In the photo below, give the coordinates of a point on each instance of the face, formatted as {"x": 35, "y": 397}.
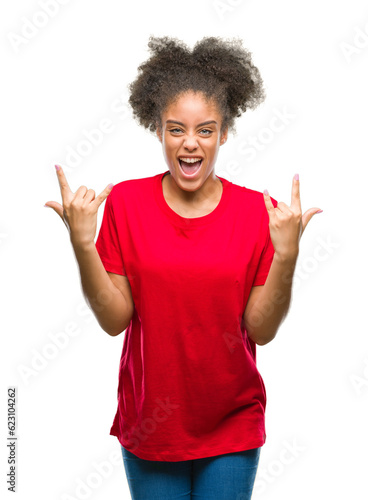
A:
{"x": 191, "y": 129}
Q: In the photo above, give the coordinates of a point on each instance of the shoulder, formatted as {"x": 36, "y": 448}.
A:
{"x": 130, "y": 189}
{"x": 132, "y": 184}
{"x": 249, "y": 197}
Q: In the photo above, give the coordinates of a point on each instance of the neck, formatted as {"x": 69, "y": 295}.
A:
{"x": 211, "y": 190}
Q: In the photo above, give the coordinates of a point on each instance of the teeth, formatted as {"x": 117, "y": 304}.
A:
{"x": 190, "y": 160}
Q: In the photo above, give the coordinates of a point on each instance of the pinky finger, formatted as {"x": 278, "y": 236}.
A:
{"x": 268, "y": 202}
{"x": 102, "y": 196}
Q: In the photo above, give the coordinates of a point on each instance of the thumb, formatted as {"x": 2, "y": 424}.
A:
{"x": 308, "y": 215}
{"x": 56, "y": 207}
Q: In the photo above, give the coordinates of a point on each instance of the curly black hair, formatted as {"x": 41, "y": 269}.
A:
{"x": 221, "y": 69}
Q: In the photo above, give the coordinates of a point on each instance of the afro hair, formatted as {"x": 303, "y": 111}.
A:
{"x": 222, "y": 70}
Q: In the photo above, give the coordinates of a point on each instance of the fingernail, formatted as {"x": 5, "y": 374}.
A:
{"x": 265, "y": 192}
{"x": 110, "y": 186}
{"x": 57, "y": 167}
{"x": 47, "y": 206}
{"x": 319, "y": 211}
{"x": 296, "y": 177}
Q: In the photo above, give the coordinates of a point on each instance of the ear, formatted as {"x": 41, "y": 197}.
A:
{"x": 224, "y": 136}
{"x": 159, "y": 132}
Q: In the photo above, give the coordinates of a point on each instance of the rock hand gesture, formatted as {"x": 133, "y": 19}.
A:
{"x": 78, "y": 210}
{"x": 287, "y": 223}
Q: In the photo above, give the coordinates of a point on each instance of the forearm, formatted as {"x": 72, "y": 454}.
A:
{"x": 273, "y": 301}
{"x": 102, "y": 296}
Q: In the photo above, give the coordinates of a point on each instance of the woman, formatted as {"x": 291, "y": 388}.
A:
{"x": 197, "y": 270}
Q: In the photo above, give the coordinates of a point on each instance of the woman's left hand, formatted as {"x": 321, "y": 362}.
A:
{"x": 287, "y": 224}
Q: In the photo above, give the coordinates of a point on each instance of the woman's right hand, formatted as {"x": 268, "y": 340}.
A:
{"x": 78, "y": 210}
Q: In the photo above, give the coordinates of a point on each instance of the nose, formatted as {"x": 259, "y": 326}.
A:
{"x": 190, "y": 142}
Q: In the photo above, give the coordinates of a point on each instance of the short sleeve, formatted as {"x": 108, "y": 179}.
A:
{"x": 107, "y": 243}
{"x": 266, "y": 257}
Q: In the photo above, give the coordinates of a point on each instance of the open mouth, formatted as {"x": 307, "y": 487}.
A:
{"x": 190, "y": 169}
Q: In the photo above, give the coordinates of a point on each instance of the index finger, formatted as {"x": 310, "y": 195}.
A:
{"x": 295, "y": 192}
{"x": 63, "y": 183}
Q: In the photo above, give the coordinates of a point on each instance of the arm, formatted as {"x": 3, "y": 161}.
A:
{"x": 268, "y": 304}
{"x": 107, "y": 294}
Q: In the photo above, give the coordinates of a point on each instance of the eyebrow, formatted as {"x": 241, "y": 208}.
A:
{"x": 199, "y": 125}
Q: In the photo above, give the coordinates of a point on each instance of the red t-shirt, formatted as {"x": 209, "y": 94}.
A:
{"x": 188, "y": 382}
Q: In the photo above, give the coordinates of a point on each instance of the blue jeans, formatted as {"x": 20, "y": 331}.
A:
{"x": 229, "y": 476}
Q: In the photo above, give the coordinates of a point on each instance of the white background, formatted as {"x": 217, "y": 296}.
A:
{"x": 63, "y": 78}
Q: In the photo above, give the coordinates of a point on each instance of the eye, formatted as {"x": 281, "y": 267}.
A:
{"x": 206, "y": 130}
{"x": 175, "y": 129}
